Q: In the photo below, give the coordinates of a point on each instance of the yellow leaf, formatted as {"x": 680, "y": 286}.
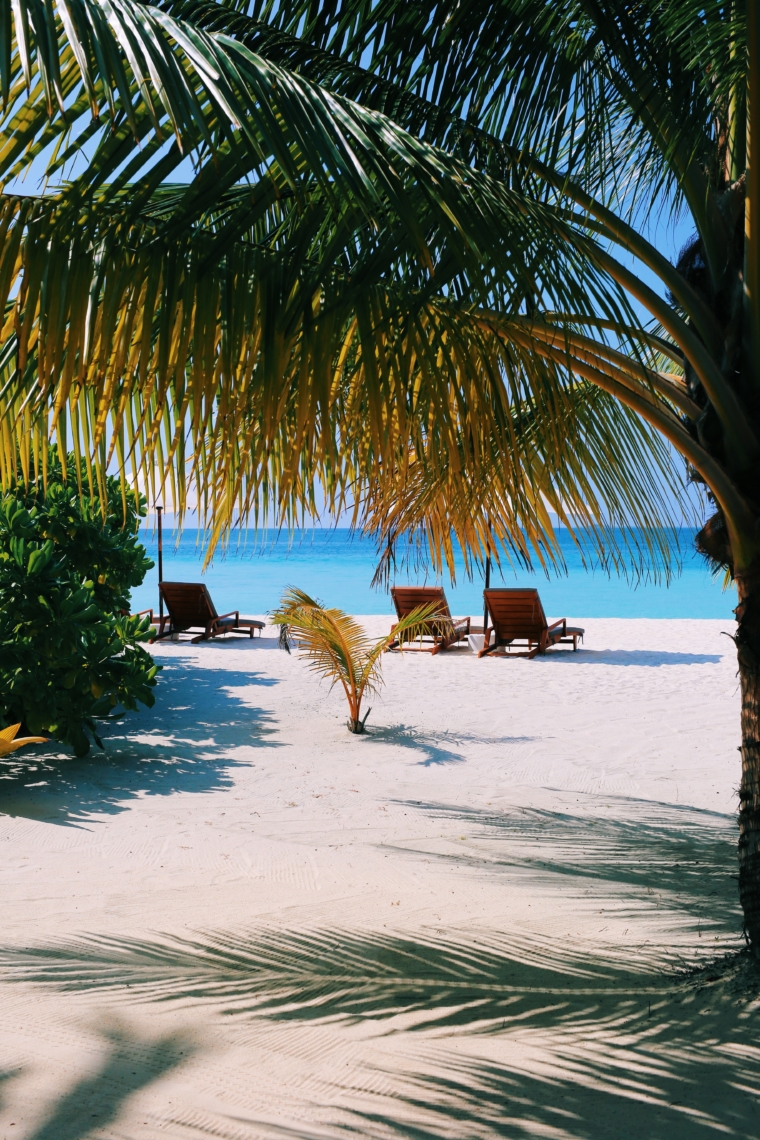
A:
{"x": 9, "y": 743}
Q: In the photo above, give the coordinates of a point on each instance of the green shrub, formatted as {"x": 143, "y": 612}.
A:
{"x": 69, "y": 652}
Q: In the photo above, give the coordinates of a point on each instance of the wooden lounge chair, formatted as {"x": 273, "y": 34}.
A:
{"x": 190, "y": 607}
{"x": 518, "y": 616}
{"x": 440, "y": 629}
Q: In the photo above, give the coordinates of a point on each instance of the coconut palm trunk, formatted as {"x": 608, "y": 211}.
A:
{"x": 748, "y": 651}
{"x": 730, "y": 287}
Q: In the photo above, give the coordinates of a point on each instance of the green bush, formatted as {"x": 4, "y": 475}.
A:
{"x": 69, "y": 652}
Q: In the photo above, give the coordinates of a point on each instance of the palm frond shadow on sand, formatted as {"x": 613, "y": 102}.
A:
{"x": 495, "y": 1036}
{"x": 147, "y": 752}
{"x": 478, "y": 985}
{"x": 437, "y": 979}
{"x": 576, "y": 1037}
{"x": 679, "y": 858}
{"x": 681, "y": 1067}
{"x": 314, "y": 976}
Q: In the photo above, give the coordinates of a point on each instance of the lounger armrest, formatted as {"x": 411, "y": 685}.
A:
{"x": 232, "y": 613}
{"x": 463, "y": 625}
{"x": 556, "y": 624}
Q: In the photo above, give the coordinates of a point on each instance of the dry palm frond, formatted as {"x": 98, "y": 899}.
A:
{"x": 9, "y": 742}
{"x": 337, "y": 648}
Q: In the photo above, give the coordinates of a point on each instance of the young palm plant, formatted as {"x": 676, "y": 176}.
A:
{"x": 337, "y": 648}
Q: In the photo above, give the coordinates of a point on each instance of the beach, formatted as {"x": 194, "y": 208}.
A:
{"x": 493, "y": 915}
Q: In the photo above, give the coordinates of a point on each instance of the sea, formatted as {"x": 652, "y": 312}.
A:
{"x": 336, "y": 566}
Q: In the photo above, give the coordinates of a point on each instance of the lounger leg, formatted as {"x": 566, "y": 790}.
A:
{"x": 444, "y": 643}
{"x": 207, "y": 633}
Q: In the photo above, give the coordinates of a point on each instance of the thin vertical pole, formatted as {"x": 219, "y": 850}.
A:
{"x": 160, "y": 567}
{"x": 488, "y": 577}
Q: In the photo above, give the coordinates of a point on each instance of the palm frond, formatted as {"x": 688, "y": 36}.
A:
{"x": 333, "y": 301}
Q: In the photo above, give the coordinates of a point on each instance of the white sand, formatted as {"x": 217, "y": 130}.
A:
{"x": 465, "y": 924}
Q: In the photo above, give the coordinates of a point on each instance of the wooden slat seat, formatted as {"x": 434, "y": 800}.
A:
{"x": 190, "y": 607}
{"x": 441, "y": 630}
{"x": 517, "y": 617}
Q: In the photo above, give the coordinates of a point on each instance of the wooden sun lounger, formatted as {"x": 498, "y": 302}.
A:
{"x": 518, "y": 616}
{"x": 190, "y": 607}
{"x": 441, "y": 629}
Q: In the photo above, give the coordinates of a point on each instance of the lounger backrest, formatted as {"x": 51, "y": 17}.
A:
{"x": 189, "y": 604}
{"x": 409, "y": 598}
{"x": 516, "y": 614}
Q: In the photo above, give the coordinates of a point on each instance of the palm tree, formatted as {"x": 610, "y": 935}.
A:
{"x": 400, "y": 251}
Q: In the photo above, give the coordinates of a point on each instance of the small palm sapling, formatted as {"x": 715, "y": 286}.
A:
{"x": 338, "y": 649}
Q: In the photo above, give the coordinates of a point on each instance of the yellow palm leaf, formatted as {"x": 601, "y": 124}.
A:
{"x": 9, "y": 743}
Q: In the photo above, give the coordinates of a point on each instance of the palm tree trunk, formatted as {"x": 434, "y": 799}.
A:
{"x": 748, "y": 651}
{"x": 357, "y": 722}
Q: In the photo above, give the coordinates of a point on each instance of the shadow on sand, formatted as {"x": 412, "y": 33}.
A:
{"x": 5, "y": 1076}
{"x": 437, "y": 747}
{"x": 144, "y": 755}
{"x": 128, "y": 1064}
{"x": 508, "y": 1035}
{"x": 678, "y": 1063}
{"x": 505, "y": 1037}
{"x": 661, "y": 855}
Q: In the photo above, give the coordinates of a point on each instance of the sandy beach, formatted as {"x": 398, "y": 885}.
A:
{"x": 490, "y": 917}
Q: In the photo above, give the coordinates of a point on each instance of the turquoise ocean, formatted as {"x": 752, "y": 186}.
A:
{"x": 337, "y": 567}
